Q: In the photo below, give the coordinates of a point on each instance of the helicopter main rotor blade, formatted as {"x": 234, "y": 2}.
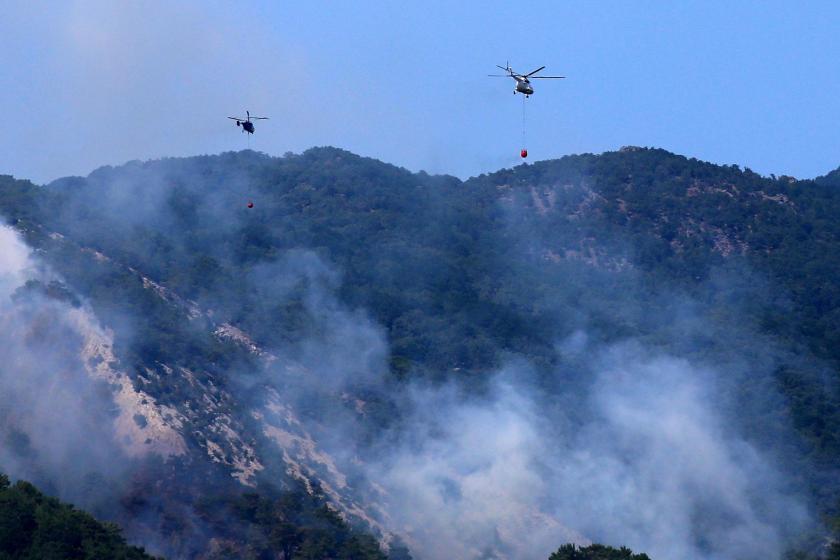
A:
{"x": 499, "y": 75}
{"x": 547, "y": 77}
{"x": 263, "y": 118}
{"x": 236, "y": 118}
{"x": 529, "y": 74}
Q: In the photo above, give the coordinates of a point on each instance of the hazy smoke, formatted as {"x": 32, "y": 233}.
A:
{"x": 646, "y": 452}
{"x": 654, "y": 465}
{"x": 633, "y": 443}
{"x": 341, "y": 346}
{"x": 660, "y": 468}
{"x": 56, "y": 423}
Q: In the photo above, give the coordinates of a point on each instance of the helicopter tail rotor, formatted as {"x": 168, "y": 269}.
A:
{"x": 508, "y": 70}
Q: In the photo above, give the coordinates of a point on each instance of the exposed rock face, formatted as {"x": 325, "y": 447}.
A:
{"x": 565, "y": 209}
{"x": 142, "y": 425}
{"x": 145, "y": 426}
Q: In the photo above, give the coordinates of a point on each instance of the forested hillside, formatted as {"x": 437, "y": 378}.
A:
{"x": 35, "y": 526}
{"x": 361, "y": 317}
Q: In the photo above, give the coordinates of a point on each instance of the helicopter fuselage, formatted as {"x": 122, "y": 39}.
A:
{"x": 246, "y": 124}
{"x": 523, "y": 86}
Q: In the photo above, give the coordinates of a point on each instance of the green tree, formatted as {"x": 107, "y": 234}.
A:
{"x": 595, "y": 552}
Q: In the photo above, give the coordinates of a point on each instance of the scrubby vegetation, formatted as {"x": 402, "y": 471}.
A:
{"x": 461, "y": 274}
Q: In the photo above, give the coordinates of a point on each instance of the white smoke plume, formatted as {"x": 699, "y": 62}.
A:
{"x": 61, "y": 421}
{"x": 654, "y": 466}
{"x": 644, "y": 453}
{"x": 631, "y": 444}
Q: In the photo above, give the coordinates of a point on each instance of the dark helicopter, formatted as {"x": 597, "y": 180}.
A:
{"x": 246, "y": 124}
{"x": 523, "y": 81}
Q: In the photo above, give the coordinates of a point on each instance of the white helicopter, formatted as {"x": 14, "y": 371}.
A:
{"x": 523, "y": 81}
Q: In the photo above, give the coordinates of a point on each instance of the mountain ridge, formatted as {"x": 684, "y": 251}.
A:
{"x": 437, "y": 279}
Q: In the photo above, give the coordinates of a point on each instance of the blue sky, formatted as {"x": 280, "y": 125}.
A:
{"x": 85, "y": 84}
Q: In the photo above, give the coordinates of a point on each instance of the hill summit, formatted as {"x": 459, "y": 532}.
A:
{"x": 439, "y": 363}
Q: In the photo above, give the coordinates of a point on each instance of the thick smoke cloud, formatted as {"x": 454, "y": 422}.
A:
{"x": 647, "y": 453}
{"x": 56, "y": 422}
{"x": 468, "y": 477}
{"x": 631, "y": 444}
{"x": 644, "y": 446}
{"x": 660, "y": 467}
{"x": 656, "y": 465}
